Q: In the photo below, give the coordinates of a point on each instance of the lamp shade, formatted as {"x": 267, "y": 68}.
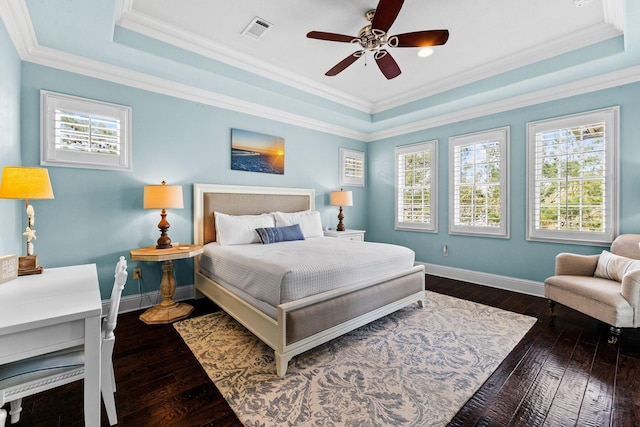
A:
{"x": 19, "y": 182}
{"x": 341, "y": 198}
{"x": 163, "y": 196}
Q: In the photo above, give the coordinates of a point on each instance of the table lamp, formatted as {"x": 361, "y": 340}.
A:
{"x": 163, "y": 197}
{"x": 341, "y": 198}
{"x": 26, "y": 183}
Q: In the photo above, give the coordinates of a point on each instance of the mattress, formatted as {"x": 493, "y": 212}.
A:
{"x": 287, "y": 271}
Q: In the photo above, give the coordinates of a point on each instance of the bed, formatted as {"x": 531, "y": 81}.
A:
{"x": 286, "y": 327}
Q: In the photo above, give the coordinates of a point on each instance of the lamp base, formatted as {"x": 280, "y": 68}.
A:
{"x": 28, "y": 264}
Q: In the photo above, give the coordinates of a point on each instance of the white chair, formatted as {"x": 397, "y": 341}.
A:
{"x": 30, "y": 376}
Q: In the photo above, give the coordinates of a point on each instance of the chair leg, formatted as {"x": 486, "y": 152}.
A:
{"x": 615, "y": 334}
{"x": 552, "y": 305}
{"x": 16, "y": 408}
{"x": 108, "y": 392}
{"x": 3, "y": 417}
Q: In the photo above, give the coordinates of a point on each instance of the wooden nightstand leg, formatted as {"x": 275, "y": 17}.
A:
{"x": 168, "y": 310}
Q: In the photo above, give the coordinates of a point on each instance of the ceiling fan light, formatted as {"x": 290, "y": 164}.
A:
{"x": 425, "y": 51}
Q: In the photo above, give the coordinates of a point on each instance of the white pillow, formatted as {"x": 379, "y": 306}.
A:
{"x": 614, "y": 267}
{"x": 240, "y": 229}
{"x": 309, "y": 221}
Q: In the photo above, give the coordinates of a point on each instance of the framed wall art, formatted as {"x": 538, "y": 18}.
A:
{"x": 256, "y": 152}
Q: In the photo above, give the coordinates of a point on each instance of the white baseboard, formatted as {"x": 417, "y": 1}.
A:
{"x": 515, "y": 284}
{"x": 148, "y": 299}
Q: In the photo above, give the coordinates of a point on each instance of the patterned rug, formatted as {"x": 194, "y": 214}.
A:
{"x": 415, "y": 367}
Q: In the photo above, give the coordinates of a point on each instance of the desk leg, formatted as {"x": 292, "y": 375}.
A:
{"x": 92, "y": 371}
{"x": 168, "y": 310}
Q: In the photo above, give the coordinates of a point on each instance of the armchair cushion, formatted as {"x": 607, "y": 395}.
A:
{"x": 614, "y": 267}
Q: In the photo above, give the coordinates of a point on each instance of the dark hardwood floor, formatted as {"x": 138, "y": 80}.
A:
{"x": 563, "y": 373}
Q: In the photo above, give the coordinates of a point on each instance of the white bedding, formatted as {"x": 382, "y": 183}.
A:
{"x": 287, "y": 271}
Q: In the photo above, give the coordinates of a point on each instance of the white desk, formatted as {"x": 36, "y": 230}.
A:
{"x": 57, "y": 309}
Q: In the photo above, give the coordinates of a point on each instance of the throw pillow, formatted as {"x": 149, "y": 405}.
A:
{"x": 614, "y": 267}
{"x": 280, "y": 234}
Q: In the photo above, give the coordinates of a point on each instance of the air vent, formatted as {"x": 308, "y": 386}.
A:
{"x": 256, "y": 28}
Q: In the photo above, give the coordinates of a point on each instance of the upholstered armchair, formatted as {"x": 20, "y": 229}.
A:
{"x": 605, "y": 286}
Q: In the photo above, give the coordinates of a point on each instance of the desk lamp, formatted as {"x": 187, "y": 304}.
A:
{"x": 163, "y": 197}
{"x": 341, "y": 198}
{"x": 26, "y": 183}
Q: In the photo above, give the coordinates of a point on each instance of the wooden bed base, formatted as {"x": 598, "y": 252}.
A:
{"x": 332, "y": 313}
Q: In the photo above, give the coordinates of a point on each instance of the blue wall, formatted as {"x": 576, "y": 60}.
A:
{"x": 11, "y": 211}
{"x": 514, "y": 257}
{"x": 97, "y": 215}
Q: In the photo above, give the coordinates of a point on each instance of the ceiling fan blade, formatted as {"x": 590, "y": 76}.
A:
{"x": 340, "y": 66}
{"x": 387, "y": 64}
{"x": 386, "y": 13}
{"x": 423, "y": 38}
{"x": 332, "y": 37}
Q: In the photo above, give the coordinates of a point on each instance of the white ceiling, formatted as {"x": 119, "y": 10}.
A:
{"x": 487, "y": 37}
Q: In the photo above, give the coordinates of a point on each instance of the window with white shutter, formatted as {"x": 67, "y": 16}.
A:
{"x": 351, "y": 168}
{"x": 79, "y": 132}
{"x": 416, "y": 187}
{"x": 573, "y": 178}
{"x": 479, "y": 183}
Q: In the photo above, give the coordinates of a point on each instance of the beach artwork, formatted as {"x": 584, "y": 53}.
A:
{"x": 256, "y": 152}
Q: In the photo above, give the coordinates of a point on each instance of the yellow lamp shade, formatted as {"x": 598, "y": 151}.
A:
{"x": 20, "y": 182}
{"x": 341, "y": 198}
{"x": 163, "y": 196}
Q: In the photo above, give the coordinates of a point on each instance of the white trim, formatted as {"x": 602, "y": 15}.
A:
{"x": 156, "y": 29}
{"x": 523, "y": 286}
{"x": 502, "y": 135}
{"x": 351, "y": 181}
{"x": 611, "y": 117}
{"x": 564, "y": 91}
{"x": 148, "y": 299}
{"x": 432, "y": 147}
{"x": 51, "y": 155}
{"x": 17, "y": 21}
{"x": 577, "y": 40}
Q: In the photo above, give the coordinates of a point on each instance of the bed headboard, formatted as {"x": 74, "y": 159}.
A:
{"x": 242, "y": 200}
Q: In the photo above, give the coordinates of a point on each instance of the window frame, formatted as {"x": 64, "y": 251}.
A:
{"x": 610, "y": 116}
{"x": 348, "y": 180}
{"x": 51, "y": 156}
{"x": 432, "y": 226}
{"x": 502, "y": 135}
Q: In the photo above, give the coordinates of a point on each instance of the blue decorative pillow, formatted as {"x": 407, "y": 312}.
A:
{"x": 280, "y": 234}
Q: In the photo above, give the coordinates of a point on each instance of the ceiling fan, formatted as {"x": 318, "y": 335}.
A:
{"x": 374, "y": 38}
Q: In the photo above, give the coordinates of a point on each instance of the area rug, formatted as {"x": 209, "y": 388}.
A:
{"x": 415, "y": 367}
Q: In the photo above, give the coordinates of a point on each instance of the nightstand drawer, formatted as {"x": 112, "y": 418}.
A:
{"x": 346, "y": 234}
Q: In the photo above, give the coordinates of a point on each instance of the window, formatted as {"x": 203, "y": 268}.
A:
{"x": 573, "y": 178}
{"x": 416, "y": 197}
{"x": 351, "y": 168}
{"x": 478, "y": 183}
{"x": 84, "y": 133}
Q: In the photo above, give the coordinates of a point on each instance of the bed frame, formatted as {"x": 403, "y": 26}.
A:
{"x": 334, "y": 312}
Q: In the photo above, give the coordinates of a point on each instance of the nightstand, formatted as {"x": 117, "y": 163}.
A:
{"x": 168, "y": 310}
{"x": 346, "y": 234}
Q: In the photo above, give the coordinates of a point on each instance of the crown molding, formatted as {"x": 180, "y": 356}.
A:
{"x": 580, "y": 87}
{"x": 156, "y": 29}
{"x": 16, "y": 19}
{"x": 530, "y": 56}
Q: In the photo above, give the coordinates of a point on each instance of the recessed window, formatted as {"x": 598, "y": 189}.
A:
{"x": 573, "y": 178}
{"x": 351, "y": 168}
{"x": 478, "y": 183}
{"x": 416, "y": 196}
{"x": 83, "y": 133}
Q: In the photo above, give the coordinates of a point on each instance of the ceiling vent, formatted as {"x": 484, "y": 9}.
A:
{"x": 256, "y": 28}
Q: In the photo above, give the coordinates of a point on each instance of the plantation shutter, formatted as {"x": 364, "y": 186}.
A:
{"x": 574, "y": 178}
{"x": 416, "y": 187}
